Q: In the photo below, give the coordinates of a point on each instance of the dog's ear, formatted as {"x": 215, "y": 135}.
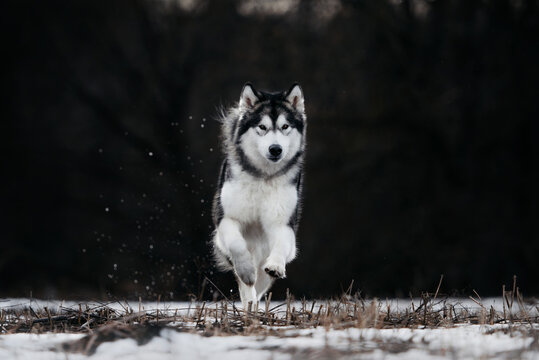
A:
{"x": 295, "y": 97}
{"x": 248, "y": 97}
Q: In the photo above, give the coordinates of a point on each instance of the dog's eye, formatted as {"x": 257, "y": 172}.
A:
{"x": 285, "y": 126}
{"x": 262, "y": 127}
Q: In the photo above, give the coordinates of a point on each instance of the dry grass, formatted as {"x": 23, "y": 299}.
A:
{"x": 108, "y": 321}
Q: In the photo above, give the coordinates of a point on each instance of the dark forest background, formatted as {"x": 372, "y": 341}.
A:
{"x": 423, "y": 155}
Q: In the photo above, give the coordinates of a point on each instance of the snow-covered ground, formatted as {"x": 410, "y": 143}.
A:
{"x": 183, "y": 307}
{"x": 462, "y": 342}
{"x": 501, "y": 341}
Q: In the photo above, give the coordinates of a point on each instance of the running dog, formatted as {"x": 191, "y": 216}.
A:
{"x": 256, "y": 208}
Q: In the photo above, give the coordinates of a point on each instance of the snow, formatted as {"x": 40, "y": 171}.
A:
{"x": 183, "y": 307}
{"x": 462, "y": 342}
{"x": 32, "y": 346}
{"x": 466, "y": 341}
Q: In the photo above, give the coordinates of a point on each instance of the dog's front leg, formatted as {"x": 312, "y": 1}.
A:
{"x": 283, "y": 249}
{"x": 233, "y": 245}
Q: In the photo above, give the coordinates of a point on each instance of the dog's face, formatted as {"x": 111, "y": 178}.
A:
{"x": 271, "y": 129}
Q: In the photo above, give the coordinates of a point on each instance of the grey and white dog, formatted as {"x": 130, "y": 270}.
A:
{"x": 257, "y": 204}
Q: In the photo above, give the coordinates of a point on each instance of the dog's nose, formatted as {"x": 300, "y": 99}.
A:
{"x": 275, "y": 150}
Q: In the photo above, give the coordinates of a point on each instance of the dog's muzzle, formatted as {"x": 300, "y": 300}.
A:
{"x": 275, "y": 152}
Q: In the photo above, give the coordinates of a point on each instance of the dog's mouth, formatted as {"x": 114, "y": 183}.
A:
{"x": 274, "y": 158}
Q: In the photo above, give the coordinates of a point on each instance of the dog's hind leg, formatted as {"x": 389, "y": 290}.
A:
{"x": 247, "y": 295}
{"x": 263, "y": 283}
{"x": 233, "y": 245}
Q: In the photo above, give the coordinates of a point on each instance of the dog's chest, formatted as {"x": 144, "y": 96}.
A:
{"x": 267, "y": 202}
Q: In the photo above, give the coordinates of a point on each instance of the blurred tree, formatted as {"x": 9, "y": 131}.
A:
{"x": 422, "y": 154}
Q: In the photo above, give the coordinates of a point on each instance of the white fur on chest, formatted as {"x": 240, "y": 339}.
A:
{"x": 268, "y": 202}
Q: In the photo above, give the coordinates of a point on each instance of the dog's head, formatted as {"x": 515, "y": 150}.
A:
{"x": 271, "y": 128}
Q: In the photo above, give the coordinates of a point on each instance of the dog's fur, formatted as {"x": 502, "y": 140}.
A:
{"x": 257, "y": 204}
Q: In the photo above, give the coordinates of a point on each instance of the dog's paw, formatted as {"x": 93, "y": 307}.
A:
{"x": 246, "y": 272}
{"x": 275, "y": 269}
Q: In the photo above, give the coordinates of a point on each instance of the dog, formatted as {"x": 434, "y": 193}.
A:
{"x": 256, "y": 208}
